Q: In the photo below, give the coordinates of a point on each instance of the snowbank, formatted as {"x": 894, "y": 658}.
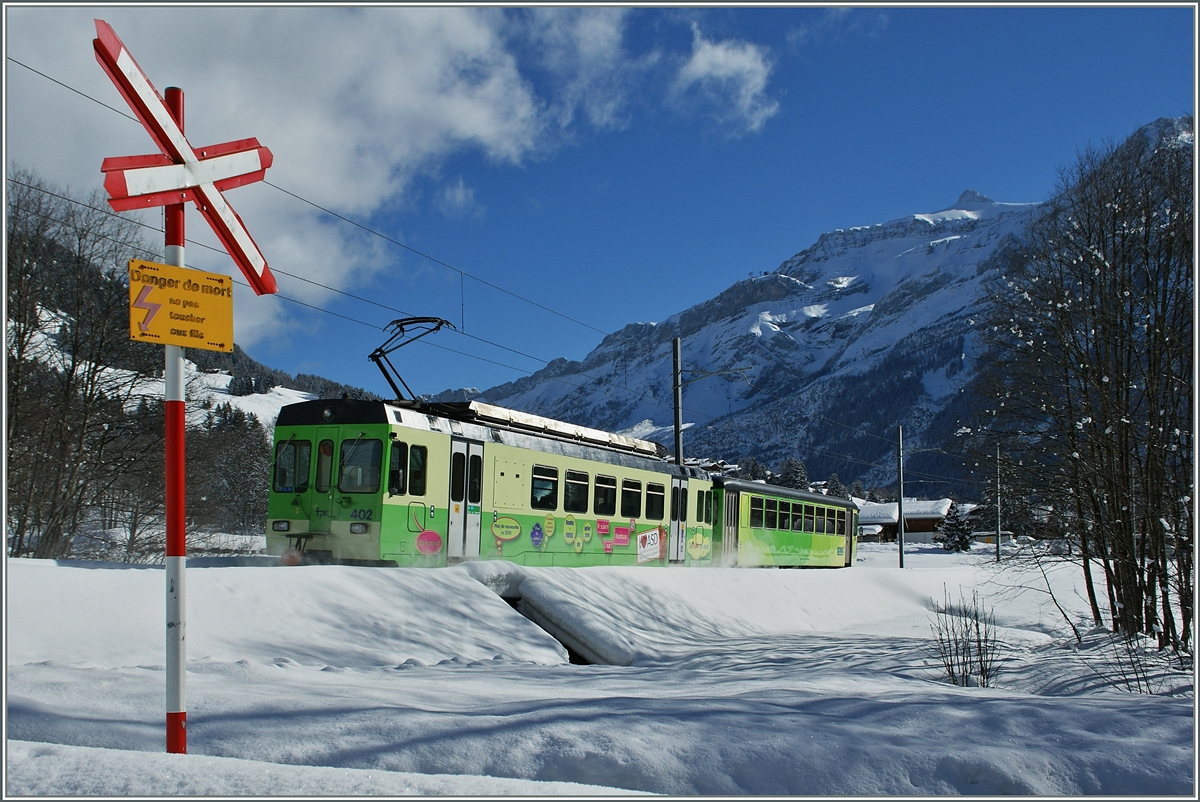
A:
{"x": 338, "y": 680}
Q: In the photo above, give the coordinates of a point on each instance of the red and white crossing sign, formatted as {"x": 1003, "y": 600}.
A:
{"x": 181, "y": 173}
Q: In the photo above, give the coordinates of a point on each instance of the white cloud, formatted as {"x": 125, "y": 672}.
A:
{"x": 732, "y": 76}
{"x": 583, "y": 52}
{"x": 353, "y": 103}
{"x": 835, "y": 22}
{"x": 458, "y": 200}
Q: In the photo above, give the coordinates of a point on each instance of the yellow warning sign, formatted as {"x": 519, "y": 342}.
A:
{"x": 173, "y": 305}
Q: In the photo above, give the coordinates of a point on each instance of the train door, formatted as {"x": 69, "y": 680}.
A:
{"x": 678, "y": 536}
{"x": 324, "y": 480}
{"x": 848, "y": 527}
{"x": 466, "y": 498}
{"x": 729, "y": 538}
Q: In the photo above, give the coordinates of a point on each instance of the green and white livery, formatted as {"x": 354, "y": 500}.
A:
{"x": 416, "y": 484}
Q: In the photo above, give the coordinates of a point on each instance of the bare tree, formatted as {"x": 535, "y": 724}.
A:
{"x": 1089, "y": 378}
{"x": 72, "y": 369}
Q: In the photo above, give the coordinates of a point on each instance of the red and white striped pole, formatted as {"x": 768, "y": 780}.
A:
{"x": 176, "y": 552}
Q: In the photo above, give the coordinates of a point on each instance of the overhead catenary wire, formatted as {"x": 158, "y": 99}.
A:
{"x": 153, "y": 254}
{"x": 296, "y": 301}
{"x": 392, "y": 240}
{"x": 73, "y": 89}
{"x": 722, "y": 421}
{"x": 433, "y": 259}
{"x": 374, "y": 232}
{"x": 543, "y": 361}
{"x": 343, "y": 218}
{"x": 463, "y": 274}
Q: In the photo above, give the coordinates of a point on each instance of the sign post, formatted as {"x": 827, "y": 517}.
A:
{"x": 175, "y": 416}
{"x": 172, "y": 178}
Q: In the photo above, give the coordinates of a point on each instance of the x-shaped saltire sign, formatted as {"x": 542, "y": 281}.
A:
{"x": 181, "y": 173}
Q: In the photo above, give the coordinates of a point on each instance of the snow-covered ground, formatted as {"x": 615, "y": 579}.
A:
{"x": 214, "y": 388}
{"x": 334, "y": 680}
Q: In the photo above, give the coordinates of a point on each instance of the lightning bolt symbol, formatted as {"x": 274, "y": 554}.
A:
{"x": 151, "y": 309}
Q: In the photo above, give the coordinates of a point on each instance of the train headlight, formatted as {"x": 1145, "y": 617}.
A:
{"x": 280, "y": 526}
{"x": 358, "y": 528}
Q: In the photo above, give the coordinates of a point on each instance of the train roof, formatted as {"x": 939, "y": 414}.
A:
{"x": 744, "y": 486}
{"x": 476, "y": 411}
{"x": 506, "y": 425}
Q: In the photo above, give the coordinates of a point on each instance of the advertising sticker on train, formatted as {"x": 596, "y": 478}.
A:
{"x": 172, "y": 305}
{"x": 651, "y": 545}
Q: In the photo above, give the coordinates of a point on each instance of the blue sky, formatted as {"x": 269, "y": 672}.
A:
{"x": 613, "y": 164}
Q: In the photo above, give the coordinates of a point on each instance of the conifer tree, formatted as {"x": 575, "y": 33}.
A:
{"x": 794, "y": 474}
{"x": 956, "y": 533}
{"x": 750, "y": 468}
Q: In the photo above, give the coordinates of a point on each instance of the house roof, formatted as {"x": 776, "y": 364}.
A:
{"x": 914, "y": 509}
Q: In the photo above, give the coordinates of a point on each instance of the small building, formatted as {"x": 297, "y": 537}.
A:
{"x": 869, "y": 533}
{"x": 878, "y": 522}
{"x": 990, "y": 537}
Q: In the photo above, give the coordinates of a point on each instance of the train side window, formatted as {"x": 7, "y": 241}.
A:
{"x": 292, "y": 459}
{"x": 699, "y": 506}
{"x": 772, "y": 513}
{"x": 475, "y": 479}
{"x": 797, "y": 517}
{"x": 544, "y": 492}
{"x": 785, "y": 515}
{"x": 324, "y": 465}
{"x": 418, "y": 459}
{"x": 360, "y": 466}
{"x": 708, "y": 506}
{"x": 756, "y": 512}
{"x": 606, "y": 495}
{"x": 575, "y": 493}
{"x": 397, "y": 463}
{"x": 631, "y": 498}
{"x": 820, "y": 530}
{"x": 808, "y": 518}
{"x": 674, "y": 503}
{"x": 656, "y": 499}
{"x": 458, "y": 476}
{"x": 841, "y": 522}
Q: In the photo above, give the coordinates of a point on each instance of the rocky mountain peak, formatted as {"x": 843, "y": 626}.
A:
{"x": 971, "y": 197}
{"x": 866, "y": 326}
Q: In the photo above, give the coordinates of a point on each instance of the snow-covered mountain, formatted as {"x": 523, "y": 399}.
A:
{"x": 821, "y": 358}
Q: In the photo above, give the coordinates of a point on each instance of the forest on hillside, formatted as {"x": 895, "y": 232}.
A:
{"x": 84, "y": 428}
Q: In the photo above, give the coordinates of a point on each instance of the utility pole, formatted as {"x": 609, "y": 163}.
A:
{"x": 900, "y": 494}
{"x": 678, "y": 381}
{"x": 677, "y": 384}
{"x": 997, "y": 503}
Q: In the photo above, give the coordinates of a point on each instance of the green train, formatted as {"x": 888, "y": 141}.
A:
{"x": 418, "y": 484}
